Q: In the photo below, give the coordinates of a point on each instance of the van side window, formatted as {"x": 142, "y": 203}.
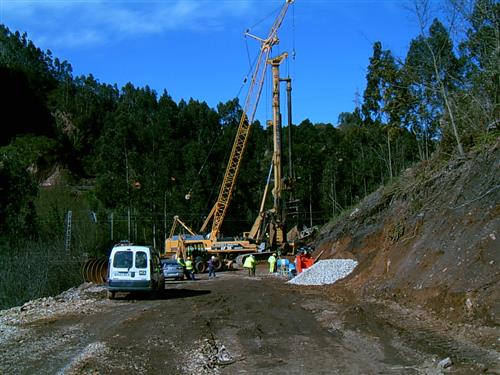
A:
{"x": 141, "y": 259}
{"x": 123, "y": 259}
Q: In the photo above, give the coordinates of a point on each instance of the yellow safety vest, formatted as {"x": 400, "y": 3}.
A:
{"x": 189, "y": 264}
{"x": 249, "y": 262}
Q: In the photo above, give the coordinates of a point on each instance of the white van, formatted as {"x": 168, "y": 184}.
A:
{"x": 134, "y": 268}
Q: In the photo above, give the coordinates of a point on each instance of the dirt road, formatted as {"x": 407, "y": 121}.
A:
{"x": 230, "y": 325}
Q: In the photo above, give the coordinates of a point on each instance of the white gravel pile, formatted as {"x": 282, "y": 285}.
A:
{"x": 325, "y": 272}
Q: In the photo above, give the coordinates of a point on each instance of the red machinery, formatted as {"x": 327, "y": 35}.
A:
{"x": 303, "y": 260}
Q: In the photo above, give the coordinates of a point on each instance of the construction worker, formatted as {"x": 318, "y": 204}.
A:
{"x": 211, "y": 267}
{"x": 292, "y": 271}
{"x": 182, "y": 263}
{"x": 190, "y": 268}
{"x": 272, "y": 262}
{"x": 284, "y": 266}
{"x": 250, "y": 264}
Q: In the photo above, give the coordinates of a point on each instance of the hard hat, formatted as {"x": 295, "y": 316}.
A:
{"x": 213, "y": 256}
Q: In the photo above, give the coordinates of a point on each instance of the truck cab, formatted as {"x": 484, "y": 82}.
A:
{"x": 134, "y": 268}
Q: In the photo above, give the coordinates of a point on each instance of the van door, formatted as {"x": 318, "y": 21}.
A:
{"x": 129, "y": 265}
{"x": 123, "y": 261}
{"x": 141, "y": 269}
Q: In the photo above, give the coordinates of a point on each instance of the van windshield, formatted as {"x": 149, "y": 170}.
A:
{"x": 123, "y": 259}
{"x": 141, "y": 259}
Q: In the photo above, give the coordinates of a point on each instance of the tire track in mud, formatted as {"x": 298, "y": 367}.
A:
{"x": 274, "y": 332}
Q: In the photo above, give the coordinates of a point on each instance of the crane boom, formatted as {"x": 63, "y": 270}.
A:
{"x": 219, "y": 210}
{"x": 174, "y": 226}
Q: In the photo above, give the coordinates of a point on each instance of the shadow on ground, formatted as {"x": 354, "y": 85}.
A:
{"x": 163, "y": 295}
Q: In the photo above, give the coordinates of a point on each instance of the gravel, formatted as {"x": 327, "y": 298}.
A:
{"x": 325, "y": 272}
{"x": 207, "y": 358}
{"x": 82, "y": 300}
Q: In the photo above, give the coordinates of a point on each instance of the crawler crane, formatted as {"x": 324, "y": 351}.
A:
{"x": 210, "y": 243}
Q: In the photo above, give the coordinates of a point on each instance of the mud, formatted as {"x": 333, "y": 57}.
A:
{"x": 238, "y": 325}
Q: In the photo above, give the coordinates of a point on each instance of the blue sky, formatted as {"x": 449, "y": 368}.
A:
{"x": 197, "y": 49}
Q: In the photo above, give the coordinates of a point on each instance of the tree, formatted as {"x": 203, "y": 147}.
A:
{"x": 441, "y": 66}
{"x": 384, "y": 97}
{"x": 479, "y": 103}
{"x": 17, "y": 192}
{"x": 380, "y": 96}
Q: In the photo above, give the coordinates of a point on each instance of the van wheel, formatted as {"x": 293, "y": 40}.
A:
{"x": 111, "y": 295}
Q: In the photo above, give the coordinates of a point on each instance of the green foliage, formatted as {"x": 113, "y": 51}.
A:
{"x": 35, "y": 269}
{"x": 486, "y": 140}
{"x": 432, "y": 72}
{"x": 17, "y": 191}
{"x": 80, "y": 108}
{"x": 479, "y": 104}
{"x": 27, "y": 77}
{"x": 382, "y": 93}
{"x": 37, "y": 153}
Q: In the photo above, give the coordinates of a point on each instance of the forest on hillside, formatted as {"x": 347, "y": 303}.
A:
{"x": 73, "y": 143}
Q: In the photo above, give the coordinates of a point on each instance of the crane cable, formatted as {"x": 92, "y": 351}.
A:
{"x": 265, "y": 18}
{"x": 245, "y": 80}
{"x": 250, "y": 67}
{"x": 190, "y": 192}
{"x": 250, "y": 63}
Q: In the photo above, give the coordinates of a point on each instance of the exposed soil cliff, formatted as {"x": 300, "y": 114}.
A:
{"x": 431, "y": 239}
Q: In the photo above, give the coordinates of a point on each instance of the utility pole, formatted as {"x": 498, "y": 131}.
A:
{"x": 128, "y": 189}
{"x": 111, "y": 226}
{"x": 310, "y": 202}
{"x": 164, "y": 217}
{"x": 154, "y": 231}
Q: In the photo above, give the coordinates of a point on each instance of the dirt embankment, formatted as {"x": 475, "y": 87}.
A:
{"x": 430, "y": 239}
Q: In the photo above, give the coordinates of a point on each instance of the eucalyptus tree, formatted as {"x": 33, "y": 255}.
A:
{"x": 440, "y": 67}
{"x": 480, "y": 49}
{"x": 382, "y": 99}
